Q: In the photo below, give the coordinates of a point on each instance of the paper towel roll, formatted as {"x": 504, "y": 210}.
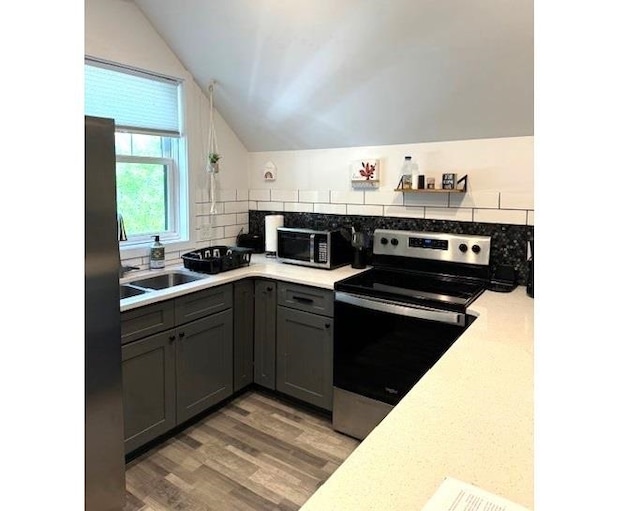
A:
{"x": 271, "y": 224}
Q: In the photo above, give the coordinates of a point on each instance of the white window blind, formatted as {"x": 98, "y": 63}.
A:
{"x": 137, "y": 101}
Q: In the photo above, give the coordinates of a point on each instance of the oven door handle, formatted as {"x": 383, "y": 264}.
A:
{"x": 401, "y": 309}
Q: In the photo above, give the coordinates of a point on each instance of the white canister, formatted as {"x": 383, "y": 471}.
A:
{"x": 271, "y": 224}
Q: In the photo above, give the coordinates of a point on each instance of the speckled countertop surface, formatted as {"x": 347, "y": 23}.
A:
{"x": 470, "y": 417}
{"x": 261, "y": 266}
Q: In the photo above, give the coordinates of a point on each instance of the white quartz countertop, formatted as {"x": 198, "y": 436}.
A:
{"x": 261, "y": 266}
{"x": 470, "y": 417}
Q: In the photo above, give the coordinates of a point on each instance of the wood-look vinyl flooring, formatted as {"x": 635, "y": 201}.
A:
{"x": 257, "y": 453}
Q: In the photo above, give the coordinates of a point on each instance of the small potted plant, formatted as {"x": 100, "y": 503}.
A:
{"x": 214, "y": 159}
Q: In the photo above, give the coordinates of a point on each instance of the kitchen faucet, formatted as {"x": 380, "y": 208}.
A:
{"x": 122, "y": 236}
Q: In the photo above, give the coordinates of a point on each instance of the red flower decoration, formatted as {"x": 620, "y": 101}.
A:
{"x": 368, "y": 170}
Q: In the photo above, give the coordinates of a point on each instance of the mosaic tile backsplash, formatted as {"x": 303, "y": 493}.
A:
{"x": 508, "y": 242}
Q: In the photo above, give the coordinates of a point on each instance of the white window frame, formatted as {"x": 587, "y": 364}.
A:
{"x": 177, "y": 169}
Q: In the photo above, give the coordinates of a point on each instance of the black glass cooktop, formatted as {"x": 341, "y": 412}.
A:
{"x": 429, "y": 290}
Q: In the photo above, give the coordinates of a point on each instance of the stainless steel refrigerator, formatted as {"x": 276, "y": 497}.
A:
{"x": 104, "y": 432}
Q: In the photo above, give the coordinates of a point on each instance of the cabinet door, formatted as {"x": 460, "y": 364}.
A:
{"x": 148, "y": 389}
{"x": 203, "y": 303}
{"x": 145, "y": 321}
{"x": 242, "y": 334}
{"x": 305, "y": 356}
{"x": 204, "y": 364}
{"x": 265, "y": 334}
{"x": 306, "y": 298}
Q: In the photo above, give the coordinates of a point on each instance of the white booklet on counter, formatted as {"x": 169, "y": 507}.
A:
{"x": 455, "y": 495}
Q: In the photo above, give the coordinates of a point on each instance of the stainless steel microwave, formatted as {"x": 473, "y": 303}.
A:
{"x": 308, "y": 247}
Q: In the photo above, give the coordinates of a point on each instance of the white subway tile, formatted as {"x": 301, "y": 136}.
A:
{"x": 330, "y": 209}
{"x": 383, "y": 197}
{"x": 242, "y": 218}
{"x": 201, "y": 195}
{"x": 217, "y": 232}
{"x": 222, "y": 220}
{"x": 270, "y": 206}
{"x": 475, "y": 200}
{"x": 434, "y": 200}
{"x": 355, "y": 209}
{"x": 500, "y": 216}
{"x": 404, "y": 211}
{"x": 202, "y": 209}
{"x": 229, "y": 241}
{"x": 516, "y": 200}
{"x": 314, "y": 196}
{"x": 232, "y": 231}
{"x": 260, "y": 195}
{"x": 530, "y": 218}
{"x": 236, "y": 207}
{"x": 457, "y": 214}
{"x": 242, "y": 194}
{"x": 341, "y": 197}
{"x": 284, "y": 195}
{"x": 226, "y": 195}
{"x": 253, "y": 205}
{"x": 298, "y": 207}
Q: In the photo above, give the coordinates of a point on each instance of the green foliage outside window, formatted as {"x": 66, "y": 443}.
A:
{"x": 141, "y": 195}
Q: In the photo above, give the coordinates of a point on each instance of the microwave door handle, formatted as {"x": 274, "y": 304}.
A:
{"x": 312, "y": 247}
{"x": 400, "y": 309}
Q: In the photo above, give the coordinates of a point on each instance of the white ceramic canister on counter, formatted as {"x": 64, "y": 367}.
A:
{"x": 271, "y": 224}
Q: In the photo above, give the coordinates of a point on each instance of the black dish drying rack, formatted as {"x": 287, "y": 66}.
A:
{"x": 217, "y": 258}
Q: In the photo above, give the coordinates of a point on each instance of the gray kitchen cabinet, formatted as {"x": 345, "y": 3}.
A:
{"x": 242, "y": 334}
{"x": 203, "y": 303}
{"x": 305, "y": 344}
{"x": 148, "y": 369}
{"x": 204, "y": 364}
{"x": 265, "y": 333}
{"x": 306, "y": 298}
{"x": 145, "y": 321}
{"x": 184, "y": 367}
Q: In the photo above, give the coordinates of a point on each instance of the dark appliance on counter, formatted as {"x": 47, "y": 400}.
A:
{"x": 319, "y": 249}
{"x": 393, "y": 322}
{"x": 504, "y": 279}
{"x": 104, "y": 469}
{"x": 251, "y": 240}
{"x": 217, "y": 259}
{"x": 358, "y": 242}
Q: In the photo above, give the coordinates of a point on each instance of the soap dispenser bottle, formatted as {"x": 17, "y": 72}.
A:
{"x": 156, "y": 255}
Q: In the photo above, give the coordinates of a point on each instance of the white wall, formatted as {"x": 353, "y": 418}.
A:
{"x": 500, "y": 181}
{"x": 117, "y": 31}
{"x": 500, "y": 170}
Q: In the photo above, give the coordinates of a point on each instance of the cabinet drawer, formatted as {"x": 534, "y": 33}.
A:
{"x": 202, "y": 303}
{"x": 138, "y": 323}
{"x": 305, "y": 298}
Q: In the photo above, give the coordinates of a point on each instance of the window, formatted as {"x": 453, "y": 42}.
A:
{"x": 150, "y": 174}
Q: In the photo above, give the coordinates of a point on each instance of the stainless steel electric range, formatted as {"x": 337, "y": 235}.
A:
{"x": 394, "y": 321}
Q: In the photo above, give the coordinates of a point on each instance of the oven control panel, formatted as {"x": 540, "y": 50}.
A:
{"x": 459, "y": 248}
{"x": 428, "y": 243}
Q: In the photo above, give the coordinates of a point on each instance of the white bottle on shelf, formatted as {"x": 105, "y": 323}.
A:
{"x": 410, "y": 168}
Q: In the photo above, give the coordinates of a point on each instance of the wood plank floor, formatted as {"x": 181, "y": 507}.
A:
{"x": 257, "y": 453}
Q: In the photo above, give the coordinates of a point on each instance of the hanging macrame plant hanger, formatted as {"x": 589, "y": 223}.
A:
{"x": 213, "y": 156}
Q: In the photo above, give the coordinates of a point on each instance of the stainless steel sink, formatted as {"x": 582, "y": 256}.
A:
{"x": 128, "y": 291}
{"x": 166, "y": 280}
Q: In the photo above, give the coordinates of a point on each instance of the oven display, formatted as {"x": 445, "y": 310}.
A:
{"x": 429, "y": 243}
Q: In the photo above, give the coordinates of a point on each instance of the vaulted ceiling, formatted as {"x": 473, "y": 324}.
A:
{"x": 308, "y": 74}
